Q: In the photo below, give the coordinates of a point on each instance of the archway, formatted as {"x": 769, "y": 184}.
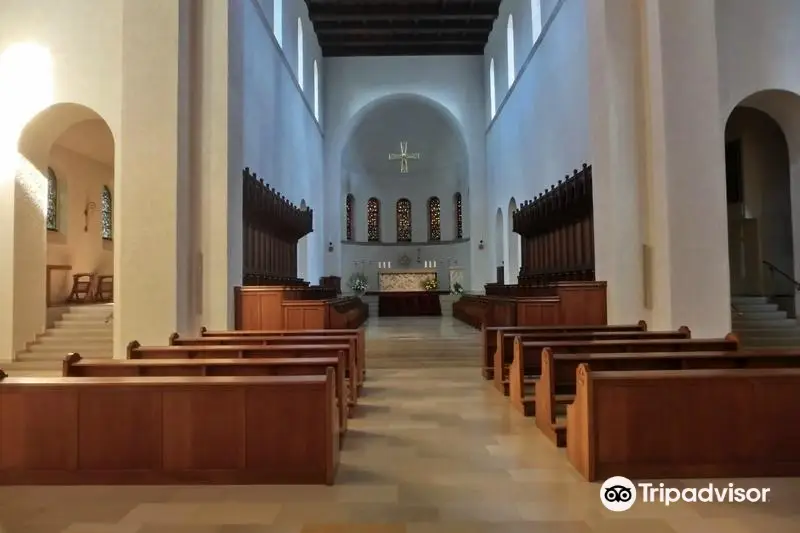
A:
{"x": 409, "y": 148}
{"x": 499, "y": 248}
{"x": 514, "y": 246}
{"x": 302, "y": 251}
{"x": 64, "y": 227}
{"x": 762, "y": 146}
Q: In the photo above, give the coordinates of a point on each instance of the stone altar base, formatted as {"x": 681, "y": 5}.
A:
{"x": 415, "y": 303}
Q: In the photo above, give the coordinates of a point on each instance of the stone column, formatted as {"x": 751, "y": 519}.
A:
{"x": 220, "y": 158}
{"x": 686, "y": 168}
{"x": 151, "y": 166}
{"x": 617, "y": 153}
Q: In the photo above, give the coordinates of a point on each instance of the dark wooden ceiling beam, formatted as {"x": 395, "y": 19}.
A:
{"x": 405, "y": 29}
{"x": 403, "y": 50}
{"x": 415, "y": 43}
{"x": 393, "y": 11}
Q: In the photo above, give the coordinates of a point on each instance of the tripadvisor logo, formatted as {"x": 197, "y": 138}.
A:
{"x": 620, "y": 493}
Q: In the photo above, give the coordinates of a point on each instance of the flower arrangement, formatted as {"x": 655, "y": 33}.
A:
{"x": 358, "y": 282}
{"x": 457, "y": 289}
{"x": 430, "y": 284}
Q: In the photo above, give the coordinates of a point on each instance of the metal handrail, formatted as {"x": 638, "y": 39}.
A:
{"x": 773, "y": 269}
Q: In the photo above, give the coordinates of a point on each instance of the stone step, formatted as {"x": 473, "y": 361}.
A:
{"x": 737, "y": 300}
{"x": 75, "y": 346}
{"x": 771, "y": 342}
{"x": 783, "y": 333}
{"x": 757, "y": 308}
{"x": 76, "y": 337}
{"x": 90, "y": 309}
{"x": 59, "y": 356}
{"x": 70, "y": 332}
{"x": 82, "y": 323}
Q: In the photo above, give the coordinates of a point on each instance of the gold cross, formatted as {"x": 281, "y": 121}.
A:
{"x": 404, "y": 156}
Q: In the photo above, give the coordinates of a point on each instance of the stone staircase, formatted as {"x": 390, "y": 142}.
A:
{"x": 86, "y": 329}
{"x": 759, "y": 323}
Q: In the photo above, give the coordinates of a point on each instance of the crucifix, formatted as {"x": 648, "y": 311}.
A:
{"x": 404, "y": 156}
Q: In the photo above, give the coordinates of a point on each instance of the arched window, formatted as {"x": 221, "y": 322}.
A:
{"x": 300, "y": 67}
{"x": 403, "y": 220}
{"x": 316, "y": 90}
{"x": 492, "y": 101}
{"x": 107, "y": 210}
{"x": 459, "y": 221}
{"x": 52, "y": 200}
{"x": 512, "y": 66}
{"x": 348, "y": 217}
{"x": 374, "y": 220}
{"x": 277, "y": 20}
{"x": 536, "y": 19}
{"x": 434, "y": 219}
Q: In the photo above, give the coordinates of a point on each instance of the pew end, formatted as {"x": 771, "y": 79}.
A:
{"x": 203, "y": 330}
{"x": 3, "y": 374}
{"x": 642, "y": 325}
{"x": 131, "y": 349}
{"x": 69, "y": 360}
{"x": 686, "y": 331}
{"x": 174, "y": 336}
{"x": 578, "y": 431}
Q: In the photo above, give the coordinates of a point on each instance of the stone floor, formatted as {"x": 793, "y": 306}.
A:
{"x": 432, "y": 449}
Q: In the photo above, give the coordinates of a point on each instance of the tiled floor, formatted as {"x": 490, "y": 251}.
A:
{"x": 433, "y": 449}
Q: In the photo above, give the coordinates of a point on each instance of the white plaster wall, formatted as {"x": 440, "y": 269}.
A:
{"x": 757, "y": 44}
{"x": 353, "y": 85}
{"x": 79, "y": 75}
{"x": 540, "y": 131}
{"x": 281, "y": 140}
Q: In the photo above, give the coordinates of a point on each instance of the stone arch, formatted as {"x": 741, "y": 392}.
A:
{"x": 77, "y": 143}
{"x": 358, "y": 117}
{"x": 302, "y": 251}
{"x": 499, "y": 245}
{"x": 514, "y": 246}
{"x": 762, "y": 134}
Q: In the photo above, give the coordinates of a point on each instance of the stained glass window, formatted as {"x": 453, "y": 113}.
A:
{"x": 434, "y": 219}
{"x": 374, "y": 220}
{"x": 459, "y": 221}
{"x": 348, "y": 213}
{"x": 52, "y": 200}
{"x": 403, "y": 220}
{"x": 107, "y": 209}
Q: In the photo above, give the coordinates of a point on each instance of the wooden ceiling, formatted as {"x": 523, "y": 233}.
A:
{"x": 402, "y": 27}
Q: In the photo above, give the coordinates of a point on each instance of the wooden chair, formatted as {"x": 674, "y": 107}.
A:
{"x": 104, "y": 291}
{"x": 83, "y": 288}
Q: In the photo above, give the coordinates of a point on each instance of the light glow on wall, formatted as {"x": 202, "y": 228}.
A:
{"x": 26, "y": 88}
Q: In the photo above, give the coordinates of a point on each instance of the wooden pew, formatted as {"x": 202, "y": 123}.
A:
{"x": 269, "y": 340}
{"x": 341, "y": 351}
{"x": 74, "y": 366}
{"x": 491, "y": 337}
{"x": 685, "y": 424}
{"x": 168, "y": 430}
{"x": 359, "y": 333}
{"x": 504, "y": 359}
{"x": 556, "y": 386}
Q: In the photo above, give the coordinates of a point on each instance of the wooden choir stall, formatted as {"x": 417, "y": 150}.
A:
{"x": 272, "y": 297}
{"x": 272, "y": 226}
{"x": 557, "y": 230}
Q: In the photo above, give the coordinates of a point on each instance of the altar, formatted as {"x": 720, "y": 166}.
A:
{"x": 404, "y": 279}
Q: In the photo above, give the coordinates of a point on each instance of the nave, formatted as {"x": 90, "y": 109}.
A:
{"x": 432, "y": 448}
